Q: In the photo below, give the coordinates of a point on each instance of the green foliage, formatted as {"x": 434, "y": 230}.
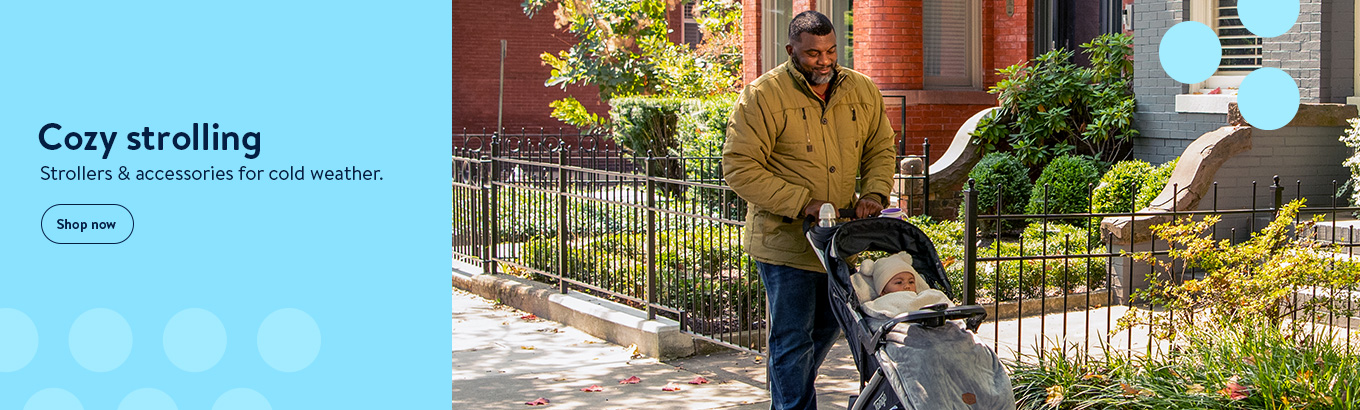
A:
{"x": 623, "y": 47}
{"x": 1247, "y": 281}
{"x": 570, "y": 111}
{"x": 1050, "y": 106}
{"x": 1254, "y": 365}
{"x": 1003, "y": 170}
{"x": 699, "y": 269}
{"x": 1020, "y": 278}
{"x": 1153, "y": 183}
{"x": 1116, "y": 190}
{"x": 646, "y": 126}
{"x": 525, "y": 214}
{"x": 1064, "y": 187}
{"x": 1352, "y": 139}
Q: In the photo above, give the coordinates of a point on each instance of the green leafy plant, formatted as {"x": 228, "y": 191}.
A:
{"x": 1050, "y": 106}
{"x": 623, "y": 47}
{"x": 1119, "y": 187}
{"x": 1245, "y": 281}
{"x": 999, "y": 176}
{"x": 1064, "y": 187}
{"x": 1153, "y": 183}
{"x": 1352, "y": 139}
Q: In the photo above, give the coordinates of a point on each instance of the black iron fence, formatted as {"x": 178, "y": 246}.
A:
{"x": 661, "y": 234}
{"x": 1061, "y": 278}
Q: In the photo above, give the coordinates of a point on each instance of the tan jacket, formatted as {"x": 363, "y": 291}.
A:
{"x": 785, "y": 147}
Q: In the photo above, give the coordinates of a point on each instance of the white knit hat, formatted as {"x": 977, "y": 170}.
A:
{"x": 882, "y": 270}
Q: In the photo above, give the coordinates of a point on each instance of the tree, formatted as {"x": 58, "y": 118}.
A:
{"x": 623, "y": 47}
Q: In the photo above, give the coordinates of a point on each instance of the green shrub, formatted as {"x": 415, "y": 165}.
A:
{"x": 1010, "y": 280}
{"x": 1115, "y": 192}
{"x": 1154, "y": 182}
{"x": 525, "y": 214}
{"x": 999, "y": 169}
{"x": 1064, "y": 187}
{"x": 1050, "y": 107}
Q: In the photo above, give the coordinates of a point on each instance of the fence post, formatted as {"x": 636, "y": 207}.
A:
{"x": 925, "y": 180}
{"x": 970, "y": 244}
{"x": 651, "y": 238}
{"x": 493, "y": 206}
{"x": 483, "y": 191}
{"x": 1279, "y": 195}
{"x": 562, "y": 254}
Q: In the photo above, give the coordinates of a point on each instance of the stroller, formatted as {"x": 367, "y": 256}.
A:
{"x": 928, "y": 362}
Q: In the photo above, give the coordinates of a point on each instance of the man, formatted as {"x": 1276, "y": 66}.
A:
{"x": 799, "y": 136}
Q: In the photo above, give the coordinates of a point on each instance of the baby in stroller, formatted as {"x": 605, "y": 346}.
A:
{"x": 888, "y": 288}
{"x": 913, "y": 351}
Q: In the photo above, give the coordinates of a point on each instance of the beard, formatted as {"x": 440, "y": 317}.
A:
{"x": 814, "y": 78}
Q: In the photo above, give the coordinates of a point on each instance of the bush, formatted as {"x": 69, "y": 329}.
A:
{"x": 1003, "y": 170}
{"x": 1064, "y": 187}
{"x": 1050, "y": 106}
{"x": 1154, "y": 182}
{"x": 525, "y": 214}
{"x": 1116, "y": 190}
{"x": 1074, "y": 274}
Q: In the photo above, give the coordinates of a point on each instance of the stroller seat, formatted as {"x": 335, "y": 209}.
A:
{"x": 928, "y": 359}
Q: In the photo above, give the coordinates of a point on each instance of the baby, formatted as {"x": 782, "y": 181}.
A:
{"x": 896, "y": 287}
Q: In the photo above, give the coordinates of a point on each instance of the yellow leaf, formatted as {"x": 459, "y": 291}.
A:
{"x": 1089, "y": 376}
{"x": 1194, "y": 389}
{"x": 1055, "y": 395}
{"x": 527, "y": 347}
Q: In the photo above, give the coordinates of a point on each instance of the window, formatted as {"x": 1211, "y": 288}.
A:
{"x": 1241, "y": 55}
{"x": 1241, "y": 49}
{"x": 692, "y": 35}
{"x": 775, "y": 30}
{"x": 951, "y": 49}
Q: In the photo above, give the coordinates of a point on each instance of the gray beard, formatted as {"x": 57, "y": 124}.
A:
{"x": 816, "y": 79}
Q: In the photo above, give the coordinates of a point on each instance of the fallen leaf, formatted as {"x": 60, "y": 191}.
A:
{"x": 1216, "y": 91}
{"x": 527, "y": 347}
{"x": 1194, "y": 389}
{"x": 1232, "y": 390}
{"x": 1089, "y": 376}
{"x": 671, "y": 387}
{"x": 529, "y": 317}
{"x": 1130, "y": 391}
{"x": 593, "y": 388}
{"x": 630, "y": 380}
{"x": 699, "y": 380}
{"x": 541, "y": 401}
{"x": 632, "y": 351}
{"x": 1055, "y": 395}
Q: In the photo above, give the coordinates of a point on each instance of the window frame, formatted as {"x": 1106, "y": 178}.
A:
{"x": 972, "y": 79}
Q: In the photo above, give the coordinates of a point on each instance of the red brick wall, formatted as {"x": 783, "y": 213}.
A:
{"x": 937, "y": 122}
{"x": 800, "y": 6}
{"x": 476, "y": 67}
{"x": 751, "y": 30}
{"x": 1007, "y": 40}
{"x": 888, "y": 43}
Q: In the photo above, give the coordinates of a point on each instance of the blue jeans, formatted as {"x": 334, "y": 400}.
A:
{"x": 801, "y": 332}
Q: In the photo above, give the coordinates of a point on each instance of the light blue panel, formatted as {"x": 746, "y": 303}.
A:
{"x": 324, "y": 86}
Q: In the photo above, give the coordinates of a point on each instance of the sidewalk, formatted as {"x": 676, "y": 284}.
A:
{"x": 502, "y": 360}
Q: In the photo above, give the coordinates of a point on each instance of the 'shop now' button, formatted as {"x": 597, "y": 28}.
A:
{"x": 87, "y": 223}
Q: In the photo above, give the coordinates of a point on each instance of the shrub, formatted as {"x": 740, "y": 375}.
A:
{"x": 1033, "y": 278}
{"x": 1154, "y": 182}
{"x": 1050, "y": 106}
{"x": 1000, "y": 170}
{"x": 1116, "y": 190}
{"x": 1064, "y": 187}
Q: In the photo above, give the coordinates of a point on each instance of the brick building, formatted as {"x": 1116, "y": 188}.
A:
{"x": 933, "y": 59}
{"x": 1318, "y": 52}
{"x": 478, "y": 28}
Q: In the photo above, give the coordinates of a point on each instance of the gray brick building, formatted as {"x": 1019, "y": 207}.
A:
{"x": 1318, "y": 51}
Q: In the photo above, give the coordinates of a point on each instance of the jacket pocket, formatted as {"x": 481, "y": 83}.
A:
{"x": 780, "y": 236}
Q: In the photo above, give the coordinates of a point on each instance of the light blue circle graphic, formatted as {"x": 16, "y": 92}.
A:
{"x": 1268, "y": 18}
{"x": 147, "y": 399}
{"x": 1269, "y": 98}
{"x": 100, "y": 340}
{"x": 18, "y": 340}
{"x": 53, "y": 399}
{"x": 195, "y": 340}
{"x": 1190, "y": 52}
{"x": 289, "y": 340}
{"x": 241, "y": 399}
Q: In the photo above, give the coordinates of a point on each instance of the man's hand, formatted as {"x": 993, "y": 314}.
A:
{"x": 868, "y": 207}
{"x": 813, "y": 207}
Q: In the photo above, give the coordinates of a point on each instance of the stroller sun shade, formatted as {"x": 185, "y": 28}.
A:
{"x": 889, "y": 235}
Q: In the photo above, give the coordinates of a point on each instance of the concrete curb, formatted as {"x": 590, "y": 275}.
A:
{"x": 616, "y": 323}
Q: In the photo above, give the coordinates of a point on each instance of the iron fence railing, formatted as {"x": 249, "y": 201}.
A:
{"x": 1100, "y": 272}
{"x": 661, "y": 234}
